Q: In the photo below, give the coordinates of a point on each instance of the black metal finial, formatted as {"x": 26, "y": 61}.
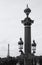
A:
{"x": 27, "y": 10}
{"x": 20, "y": 38}
{"x": 27, "y": 5}
{"x": 20, "y": 42}
{"x": 34, "y": 43}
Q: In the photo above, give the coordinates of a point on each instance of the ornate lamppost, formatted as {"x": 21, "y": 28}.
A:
{"x": 20, "y": 43}
{"x": 34, "y": 47}
{"x": 21, "y": 59}
{"x": 27, "y": 22}
{"x": 34, "y": 51}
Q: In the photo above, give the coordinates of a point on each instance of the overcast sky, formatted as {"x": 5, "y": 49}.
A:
{"x": 11, "y": 28}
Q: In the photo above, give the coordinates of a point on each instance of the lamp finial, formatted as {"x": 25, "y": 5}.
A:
{"x": 27, "y": 5}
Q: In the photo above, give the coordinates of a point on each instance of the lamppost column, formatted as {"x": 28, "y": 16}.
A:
{"x": 27, "y": 44}
{"x": 27, "y": 39}
{"x": 27, "y": 36}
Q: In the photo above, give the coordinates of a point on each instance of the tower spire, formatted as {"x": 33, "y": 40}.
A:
{"x": 8, "y": 51}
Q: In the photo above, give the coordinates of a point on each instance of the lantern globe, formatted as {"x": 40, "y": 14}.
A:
{"x": 34, "y": 46}
{"x": 20, "y": 43}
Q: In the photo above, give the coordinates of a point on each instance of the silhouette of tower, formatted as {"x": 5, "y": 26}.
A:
{"x": 8, "y": 51}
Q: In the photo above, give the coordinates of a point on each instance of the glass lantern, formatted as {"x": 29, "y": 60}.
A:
{"x": 20, "y": 43}
{"x": 34, "y": 46}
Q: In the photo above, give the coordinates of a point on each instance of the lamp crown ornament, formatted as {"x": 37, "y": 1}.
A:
{"x": 27, "y": 10}
{"x": 27, "y": 21}
{"x": 20, "y": 42}
{"x": 34, "y": 44}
